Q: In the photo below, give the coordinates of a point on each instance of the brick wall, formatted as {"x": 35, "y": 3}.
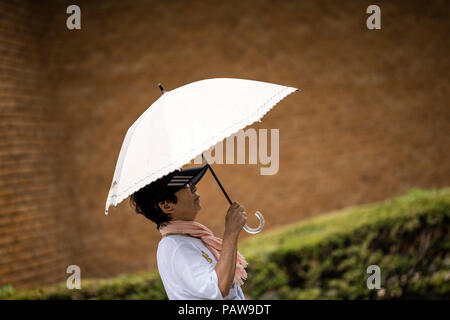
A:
{"x": 371, "y": 122}
{"x": 35, "y": 240}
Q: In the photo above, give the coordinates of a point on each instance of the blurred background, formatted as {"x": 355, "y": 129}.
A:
{"x": 372, "y": 120}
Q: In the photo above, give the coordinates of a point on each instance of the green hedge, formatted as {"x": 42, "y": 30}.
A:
{"x": 323, "y": 258}
{"x": 327, "y": 257}
{"x": 134, "y": 286}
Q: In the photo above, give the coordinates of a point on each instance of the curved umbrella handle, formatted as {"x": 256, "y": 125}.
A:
{"x": 259, "y": 228}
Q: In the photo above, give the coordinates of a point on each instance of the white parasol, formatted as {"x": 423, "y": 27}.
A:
{"x": 185, "y": 122}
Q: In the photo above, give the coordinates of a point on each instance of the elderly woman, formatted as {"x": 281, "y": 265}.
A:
{"x": 192, "y": 262}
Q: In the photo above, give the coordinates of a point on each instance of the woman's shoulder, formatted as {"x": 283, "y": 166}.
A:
{"x": 177, "y": 247}
{"x": 173, "y": 241}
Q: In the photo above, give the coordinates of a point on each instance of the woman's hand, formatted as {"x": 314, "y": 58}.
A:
{"x": 235, "y": 219}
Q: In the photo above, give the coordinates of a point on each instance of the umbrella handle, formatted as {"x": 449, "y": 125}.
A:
{"x": 259, "y": 228}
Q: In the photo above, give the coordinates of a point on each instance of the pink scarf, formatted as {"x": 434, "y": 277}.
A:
{"x": 213, "y": 243}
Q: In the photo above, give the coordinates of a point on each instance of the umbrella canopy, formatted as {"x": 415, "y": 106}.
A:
{"x": 185, "y": 122}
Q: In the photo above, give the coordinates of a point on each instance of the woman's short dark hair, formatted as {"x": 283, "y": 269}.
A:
{"x": 146, "y": 202}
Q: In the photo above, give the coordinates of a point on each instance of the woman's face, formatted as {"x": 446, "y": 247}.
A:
{"x": 188, "y": 203}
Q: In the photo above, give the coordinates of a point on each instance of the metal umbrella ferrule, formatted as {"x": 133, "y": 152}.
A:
{"x": 161, "y": 88}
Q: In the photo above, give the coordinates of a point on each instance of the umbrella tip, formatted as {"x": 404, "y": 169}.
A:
{"x": 161, "y": 87}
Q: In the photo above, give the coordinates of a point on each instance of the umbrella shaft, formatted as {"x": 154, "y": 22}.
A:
{"x": 217, "y": 180}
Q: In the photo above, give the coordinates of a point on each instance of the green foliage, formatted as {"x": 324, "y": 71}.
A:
{"x": 139, "y": 287}
{"x": 327, "y": 257}
{"x": 323, "y": 258}
{"x": 6, "y": 291}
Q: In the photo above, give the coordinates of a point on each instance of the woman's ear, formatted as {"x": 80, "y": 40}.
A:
{"x": 166, "y": 206}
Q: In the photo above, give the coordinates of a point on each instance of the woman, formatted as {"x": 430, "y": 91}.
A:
{"x": 192, "y": 262}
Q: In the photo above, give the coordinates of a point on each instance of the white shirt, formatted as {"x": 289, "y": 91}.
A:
{"x": 187, "y": 270}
